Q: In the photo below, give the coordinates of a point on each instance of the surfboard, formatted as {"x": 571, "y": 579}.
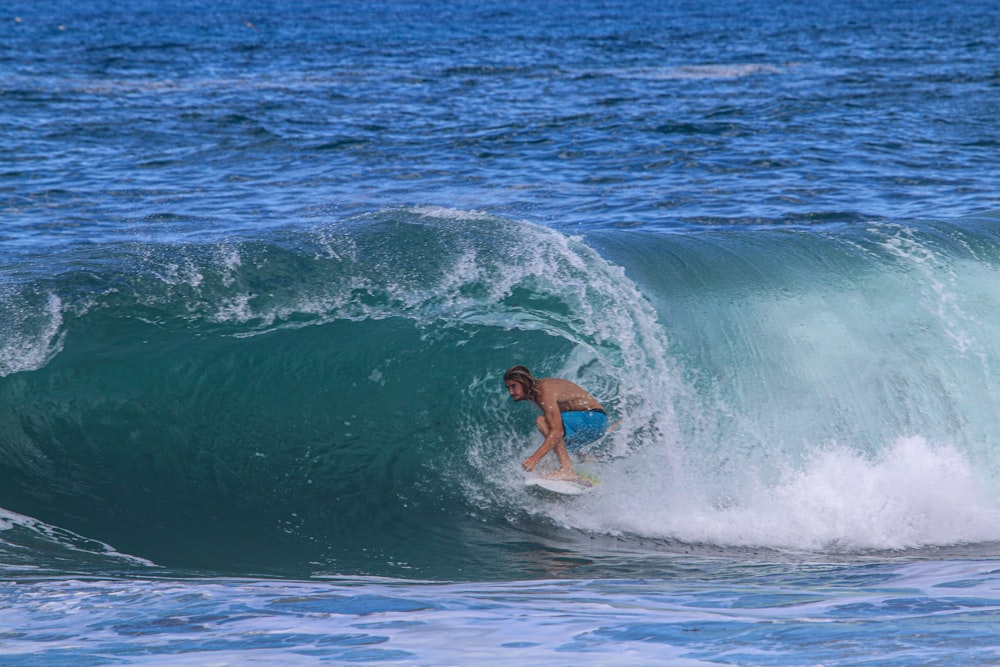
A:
{"x": 562, "y": 487}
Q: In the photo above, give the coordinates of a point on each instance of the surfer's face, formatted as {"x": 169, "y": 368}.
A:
{"x": 516, "y": 390}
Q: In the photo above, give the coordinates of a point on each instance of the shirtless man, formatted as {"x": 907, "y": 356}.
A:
{"x": 568, "y": 411}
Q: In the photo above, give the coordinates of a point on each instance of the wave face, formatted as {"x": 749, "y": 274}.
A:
{"x": 332, "y": 396}
{"x": 331, "y": 399}
{"x": 841, "y": 387}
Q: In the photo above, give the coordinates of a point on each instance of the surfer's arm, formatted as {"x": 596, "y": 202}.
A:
{"x": 550, "y": 424}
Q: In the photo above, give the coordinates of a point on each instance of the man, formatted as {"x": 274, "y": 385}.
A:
{"x": 568, "y": 412}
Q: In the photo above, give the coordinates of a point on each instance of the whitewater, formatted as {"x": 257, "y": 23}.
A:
{"x": 262, "y": 268}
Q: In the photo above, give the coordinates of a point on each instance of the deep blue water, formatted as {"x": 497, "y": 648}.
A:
{"x": 262, "y": 266}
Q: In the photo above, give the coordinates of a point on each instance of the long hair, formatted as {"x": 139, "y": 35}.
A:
{"x": 523, "y": 375}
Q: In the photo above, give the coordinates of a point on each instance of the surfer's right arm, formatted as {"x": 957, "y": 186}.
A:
{"x": 550, "y": 426}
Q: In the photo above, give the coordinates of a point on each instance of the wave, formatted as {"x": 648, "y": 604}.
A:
{"x": 336, "y": 388}
{"x": 331, "y": 397}
{"x": 842, "y": 382}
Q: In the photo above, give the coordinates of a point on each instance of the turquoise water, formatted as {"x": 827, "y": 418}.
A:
{"x": 262, "y": 268}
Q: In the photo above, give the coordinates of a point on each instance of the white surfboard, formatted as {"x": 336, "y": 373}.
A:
{"x": 562, "y": 487}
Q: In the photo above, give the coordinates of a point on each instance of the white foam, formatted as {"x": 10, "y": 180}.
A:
{"x": 695, "y": 72}
{"x": 64, "y": 538}
{"x": 445, "y": 213}
{"x": 913, "y": 495}
{"x": 31, "y": 337}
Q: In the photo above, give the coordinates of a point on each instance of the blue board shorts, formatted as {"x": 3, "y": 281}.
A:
{"x": 583, "y": 427}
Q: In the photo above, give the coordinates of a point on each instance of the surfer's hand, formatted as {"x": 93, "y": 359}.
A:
{"x": 529, "y": 463}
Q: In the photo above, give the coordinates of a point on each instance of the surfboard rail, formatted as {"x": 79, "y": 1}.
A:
{"x": 582, "y": 484}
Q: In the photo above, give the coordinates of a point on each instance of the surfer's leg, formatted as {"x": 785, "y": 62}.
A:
{"x": 565, "y": 464}
{"x": 565, "y": 470}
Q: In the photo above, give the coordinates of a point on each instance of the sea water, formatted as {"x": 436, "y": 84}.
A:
{"x": 262, "y": 266}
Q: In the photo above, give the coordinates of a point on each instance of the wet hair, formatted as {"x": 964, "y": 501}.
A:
{"x": 523, "y": 375}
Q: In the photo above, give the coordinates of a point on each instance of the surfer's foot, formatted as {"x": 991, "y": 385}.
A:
{"x": 562, "y": 475}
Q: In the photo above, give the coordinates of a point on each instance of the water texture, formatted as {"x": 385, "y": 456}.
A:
{"x": 263, "y": 265}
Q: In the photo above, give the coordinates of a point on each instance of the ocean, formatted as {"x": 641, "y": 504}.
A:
{"x": 263, "y": 265}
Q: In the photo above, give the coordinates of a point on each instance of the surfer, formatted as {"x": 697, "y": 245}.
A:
{"x": 570, "y": 419}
